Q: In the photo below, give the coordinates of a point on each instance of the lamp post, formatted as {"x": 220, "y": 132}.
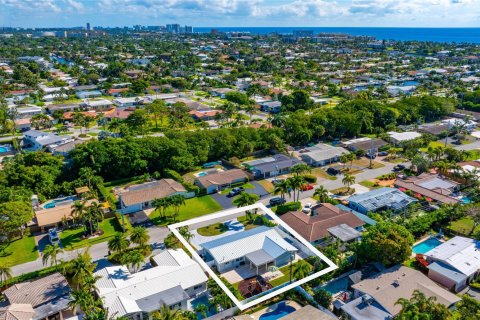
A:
{"x": 291, "y": 269}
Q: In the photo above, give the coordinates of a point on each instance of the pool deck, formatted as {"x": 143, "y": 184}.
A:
{"x": 271, "y": 308}
{"x": 422, "y": 240}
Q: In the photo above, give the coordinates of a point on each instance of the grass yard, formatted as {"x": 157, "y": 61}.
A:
{"x": 322, "y": 174}
{"x": 247, "y": 185}
{"x": 72, "y": 239}
{"x": 193, "y": 208}
{"x": 285, "y": 278}
{"x": 267, "y": 185}
{"x": 464, "y": 226}
{"x": 19, "y": 251}
{"x": 369, "y": 184}
{"x": 212, "y": 230}
{"x": 435, "y": 144}
{"x": 364, "y": 162}
{"x": 473, "y": 155}
{"x": 243, "y": 220}
{"x": 343, "y": 191}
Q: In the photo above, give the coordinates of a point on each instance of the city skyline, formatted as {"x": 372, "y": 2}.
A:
{"x": 235, "y": 13}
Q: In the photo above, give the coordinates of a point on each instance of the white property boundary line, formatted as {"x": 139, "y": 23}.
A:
{"x": 244, "y": 304}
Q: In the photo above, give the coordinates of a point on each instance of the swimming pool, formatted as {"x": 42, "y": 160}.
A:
{"x": 49, "y": 205}
{"x": 466, "y": 200}
{"x": 337, "y": 285}
{"x": 203, "y": 300}
{"x": 4, "y": 149}
{"x": 281, "y": 311}
{"x": 201, "y": 174}
{"x": 425, "y": 246}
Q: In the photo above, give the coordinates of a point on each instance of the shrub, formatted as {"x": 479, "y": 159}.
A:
{"x": 289, "y": 206}
{"x": 172, "y": 174}
{"x": 310, "y": 178}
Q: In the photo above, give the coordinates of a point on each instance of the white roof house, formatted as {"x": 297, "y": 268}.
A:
{"x": 175, "y": 279}
{"x": 460, "y": 253}
{"x": 322, "y": 154}
{"x": 404, "y": 136}
{"x": 238, "y": 245}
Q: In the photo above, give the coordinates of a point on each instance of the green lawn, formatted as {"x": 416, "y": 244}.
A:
{"x": 243, "y": 220}
{"x": 267, "y": 185}
{"x": 212, "y": 230}
{"x": 19, "y": 251}
{"x": 435, "y": 144}
{"x": 369, "y": 184}
{"x": 464, "y": 226}
{"x": 247, "y": 185}
{"x": 343, "y": 191}
{"x": 320, "y": 173}
{"x": 285, "y": 278}
{"x": 194, "y": 207}
{"x": 72, "y": 239}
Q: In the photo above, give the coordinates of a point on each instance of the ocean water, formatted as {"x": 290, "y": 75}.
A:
{"x": 457, "y": 35}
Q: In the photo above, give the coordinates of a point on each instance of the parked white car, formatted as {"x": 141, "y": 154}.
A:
{"x": 307, "y": 208}
{"x": 53, "y": 236}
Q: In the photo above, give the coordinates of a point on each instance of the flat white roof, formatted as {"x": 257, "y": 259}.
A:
{"x": 404, "y": 136}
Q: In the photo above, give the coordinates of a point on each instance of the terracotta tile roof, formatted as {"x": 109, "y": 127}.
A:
{"x": 39, "y": 291}
{"x": 315, "y": 227}
{"x": 438, "y": 194}
{"x": 149, "y": 191}
{"x": 47, "y": 217}
{"x": 222, "y": 178}
{"x": 110, "y": 91}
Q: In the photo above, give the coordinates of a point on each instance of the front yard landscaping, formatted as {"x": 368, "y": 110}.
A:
{"x": 247, "y": 185}
{"x": 212, "y": 230}
{"x": 286, "y": 275}
{"x": 19, "y": 251}
{"x": 267, "y": 185}
{"x": 343, "y": 191}
{"x": 72, "y": 238}
{"x": 322, "y": 174}
{"x": 193, "y": 208}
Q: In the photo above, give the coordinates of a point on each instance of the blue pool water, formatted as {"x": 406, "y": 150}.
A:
{"x": 336, "y": 286}
{"x": 49, "y": 205}
{"x": 279, "y": 313}
{"x": 427, "y": 245}
{"x": 203, "y": 300}
{"x": 466, "y": 200}
{"x": 201, "y": 174}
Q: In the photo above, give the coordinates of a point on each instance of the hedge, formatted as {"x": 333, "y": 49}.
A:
{"x": 287, "y": 207}
{"x": 310, "y": 178}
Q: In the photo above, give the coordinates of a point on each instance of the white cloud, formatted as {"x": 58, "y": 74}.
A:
{"x": 32, "y": 5}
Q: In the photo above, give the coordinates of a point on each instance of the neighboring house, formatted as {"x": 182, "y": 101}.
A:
{"x": 28, "y": 112}
{"x": 399, "y": 137}
{"x": 23, "y": 124}
{"x": 322, "y": 154}
{"x": 431, "y": 186}
{"x": 380, "y": 199}
{"x": 455, "y": 263}
{"x": 39, "y": 140}
{"x": 88, "y": 94}
{"x": 66, "y": 148}
{"x": 220, "y": 92}
{"x": 365, "y": 144}
{"x": 468, "y": 125}
{"x": 47, "y": 297}
{"x": 116, "y": 92}
{"x": 375, "y": 298}
{"x": 100, "y": 104}
{"x": 172, "y": 282}
{"x": 271, "y": 166}
{"x": 325, "y": 221}
{"x": 140, "y": 196}
{"x": 271, "y": 106}
{"x": 258, "y": 248}
{"x": 205, "y": 115}
{"x": 53, "y": 213}
{"x": 214, "y": 182}
{"x": 435, "y": 129}
{"x": 309, "y": 312}
{"x": 63, "y": 107}
{"x": 359, "y": 215}
{"x": 128, "y": 102}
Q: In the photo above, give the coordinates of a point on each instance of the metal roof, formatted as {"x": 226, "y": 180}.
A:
{"x": 382, "y": 197}
{"x": 460, "y": 253}
{"x": 447, "y": 271}
{"x": 359, "y": 215}
{"x": 240, "y": 244}
{"x": 344, "y": 232}
{"x": 259, "y": 257}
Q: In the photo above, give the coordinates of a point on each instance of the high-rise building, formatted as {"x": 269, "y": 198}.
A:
{"x": 89, "y": 28}
{"x": 188, "y": 29}
{"x": 173, "y": 28}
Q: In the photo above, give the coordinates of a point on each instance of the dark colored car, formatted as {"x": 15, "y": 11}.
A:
{"x": 399, "y": 167}
{"x": 382, "y": 153}
{"x": 370, "y": 156}
{"x": 277, "y": 181}
{"x": 332, "y": 171}
{"x": 235, "y": 191}
{"x": 276, "y": 201}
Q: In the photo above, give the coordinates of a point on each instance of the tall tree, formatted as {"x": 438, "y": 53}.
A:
{"x": 51, "y": 252}
{"x": 119, "y": 243}
{"x": 139, "y": 235}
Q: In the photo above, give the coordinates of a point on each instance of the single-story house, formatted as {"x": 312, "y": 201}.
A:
{"x": 431, "y": 186}
{"x": 375, "y": 298}
{"x": 259, "y": 248}
{"x": 66, "y": 148}
{"x": 366, "y": 144}
{"x": 115, "y": 113}
{"x": 454, "y": 263}
{"x": 221, "y": 92}
{"x": 23, "y": 124}
{"x": 325, "y": 221}
{"x": 322, "y": 154}
{"x": 271, "y": 106}
{"x": 205, "y": 115}
{"x": 88, "y": 94}
{"x": 140, "y": 196}
{"x": 116, "y": 92}
{"x": 271, "y": 166}
{"x": 214, "y": 182}
{"x": 63, "y": 107}
{"x": 435, "y": 129}
{"x": 380, "y": 199}
{"x": 468, "y": 125}
{"x": 39, "y": 140}
{"x": 399, "y": 137}
{"x": 28, "y": 112}
{"x": 47, "y": 298}
{"x": 309, "y": 312}
{"x": 128, "y": 102}
{"x": 172, "y": 282}
{"x": 100, "y": 104}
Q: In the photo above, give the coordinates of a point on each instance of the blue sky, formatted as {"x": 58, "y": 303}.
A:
{"x": 335, "y": 13}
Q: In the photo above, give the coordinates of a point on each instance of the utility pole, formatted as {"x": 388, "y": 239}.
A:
{"x": 372, "y": 152}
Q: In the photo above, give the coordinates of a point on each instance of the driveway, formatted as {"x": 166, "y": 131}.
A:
{"x": 227, "y": 202}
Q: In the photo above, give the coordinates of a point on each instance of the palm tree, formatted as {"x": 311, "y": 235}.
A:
{"x": 202, "y": 309}
{"x": 348, "y": 180}
{"x": 177, "y": 201}
{"x": 344, "y": 158}
{"x": 185, "y": 233}
{"x": 80, "y": 299}
{"x": 322, "y": 194}
{"x": 118, "y": 243}
{"x": 250, "y": 109}
{"x": 139, "y": 235}
{"x": 51, "y": 253}
{"x": 5, "y": 272}
{"x": 78, "y": 209}
{"x": 300, "y": 169}
{"x": 93, "y": 215}
{"x": 301, "y": 269}
{"x": 81, "y": 268}
{"x": 223, "y": 300}
{"x": 134, "y": 259}
{"x": 246, "y": 199}
{"x": 165, "y": 313}
{"x": 282, "y": 188}
{"x": 296, "y": 183}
